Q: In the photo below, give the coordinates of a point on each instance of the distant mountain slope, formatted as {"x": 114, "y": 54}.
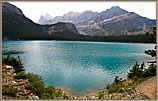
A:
{"x": 111, "y": 22}
{"x": 126, "y": 24}
{"x": 17, "y": 26}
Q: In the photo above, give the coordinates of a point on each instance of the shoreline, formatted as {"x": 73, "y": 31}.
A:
{"x": 82, "y": 41}
{"x": 71, "y": 92}
{"x": 87, "y": 94}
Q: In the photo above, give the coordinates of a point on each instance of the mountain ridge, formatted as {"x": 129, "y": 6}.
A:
{"x": 90, "y": 23}
{"x": 85, "y": 13}
{"x": 18, "y": 27}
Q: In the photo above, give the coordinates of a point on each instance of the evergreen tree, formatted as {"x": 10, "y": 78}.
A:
{"x": 138, "y": 71}
{"x": 135, "y": 72}
{"x": 15, "y": 62}
{"x": 152, "y": 36}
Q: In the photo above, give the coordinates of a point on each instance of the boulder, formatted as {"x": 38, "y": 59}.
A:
{"x": 35, "y": 97}
{"x": 22, "y": 83}
{"x": 29, "y": 97}
{"x": 92, "y": 97}
{"x": 10, "y": 69}
{"x": 14, "y": 83}
{"x": 29, "y": 91}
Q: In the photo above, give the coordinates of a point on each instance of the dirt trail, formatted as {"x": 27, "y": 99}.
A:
{"x": 148, "y": 88}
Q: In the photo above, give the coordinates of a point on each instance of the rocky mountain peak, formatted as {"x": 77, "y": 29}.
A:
{"x": 88, "y": 11}
{"x": 48, "y": 16}
{"x": 115, "y": 7}
{"x": 71, "y": 13}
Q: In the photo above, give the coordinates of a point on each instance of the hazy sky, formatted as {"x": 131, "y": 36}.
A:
{"x": 34, "y": 10}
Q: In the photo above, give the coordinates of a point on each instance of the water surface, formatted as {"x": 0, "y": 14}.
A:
{"x": 79, "y": 65}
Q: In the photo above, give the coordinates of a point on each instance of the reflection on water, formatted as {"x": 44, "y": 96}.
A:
{"x": 78, "y": 65}
{"x": 12, "y": 52}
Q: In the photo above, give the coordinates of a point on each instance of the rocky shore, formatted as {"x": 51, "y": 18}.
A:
{"x": 129, "y": 93}
{"x": 136, "y": 91}
{"x": 10, "y": 85}
{"x": 17, "y": 87}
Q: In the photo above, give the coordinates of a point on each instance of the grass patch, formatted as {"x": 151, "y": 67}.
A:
{"x": 115, "y": 88}
{"x": 20, "y": 75}
{"x": 140, "y": 80}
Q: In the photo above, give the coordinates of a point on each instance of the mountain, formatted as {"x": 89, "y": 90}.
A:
{"x": 17, "y": 26}
{"x": 126, "y": 24}
{"x": 111, "y": 22}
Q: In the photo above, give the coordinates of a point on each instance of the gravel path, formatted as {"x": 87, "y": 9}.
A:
{"x": 148, "y": 88}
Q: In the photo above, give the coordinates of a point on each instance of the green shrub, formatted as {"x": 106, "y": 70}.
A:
{"x": 138, "y": 71}
{"x": 48, "y": 93}
{"x": 101, "y": 94}
{"x": 33, "y": 77}
{"x": 7, "y": 90}
{"x": 114, "y": 88}
{"x": 20, "y": 75}
{"x": 108, "y": 86}
{"x": 65, "y": 96}
{"x": 130, "y": 84}
{"x": 42, "y": 91}
{"x": 116, "y": 80}
{"x": 49, "y": 89}
{"x": 120, "y": 91}
{"x": 135, "y": 72}
{"x": 15, "y": 62}
{"x": 58, "y": 93}
{"x": 151, "y": 71}
{"x": 36, "y": 86}
{"x": 47, "y": 96}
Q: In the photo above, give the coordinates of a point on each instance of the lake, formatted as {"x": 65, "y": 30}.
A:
{"x": 79, "y": 65}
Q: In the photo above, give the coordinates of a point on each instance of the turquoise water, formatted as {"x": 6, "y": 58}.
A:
{"x": 77, "y": 64}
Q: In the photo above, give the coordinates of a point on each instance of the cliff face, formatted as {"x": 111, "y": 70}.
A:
{"x": 17, "y": 26}
{"x": 61, "y": 27}
{"x": 126, "y": 24}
